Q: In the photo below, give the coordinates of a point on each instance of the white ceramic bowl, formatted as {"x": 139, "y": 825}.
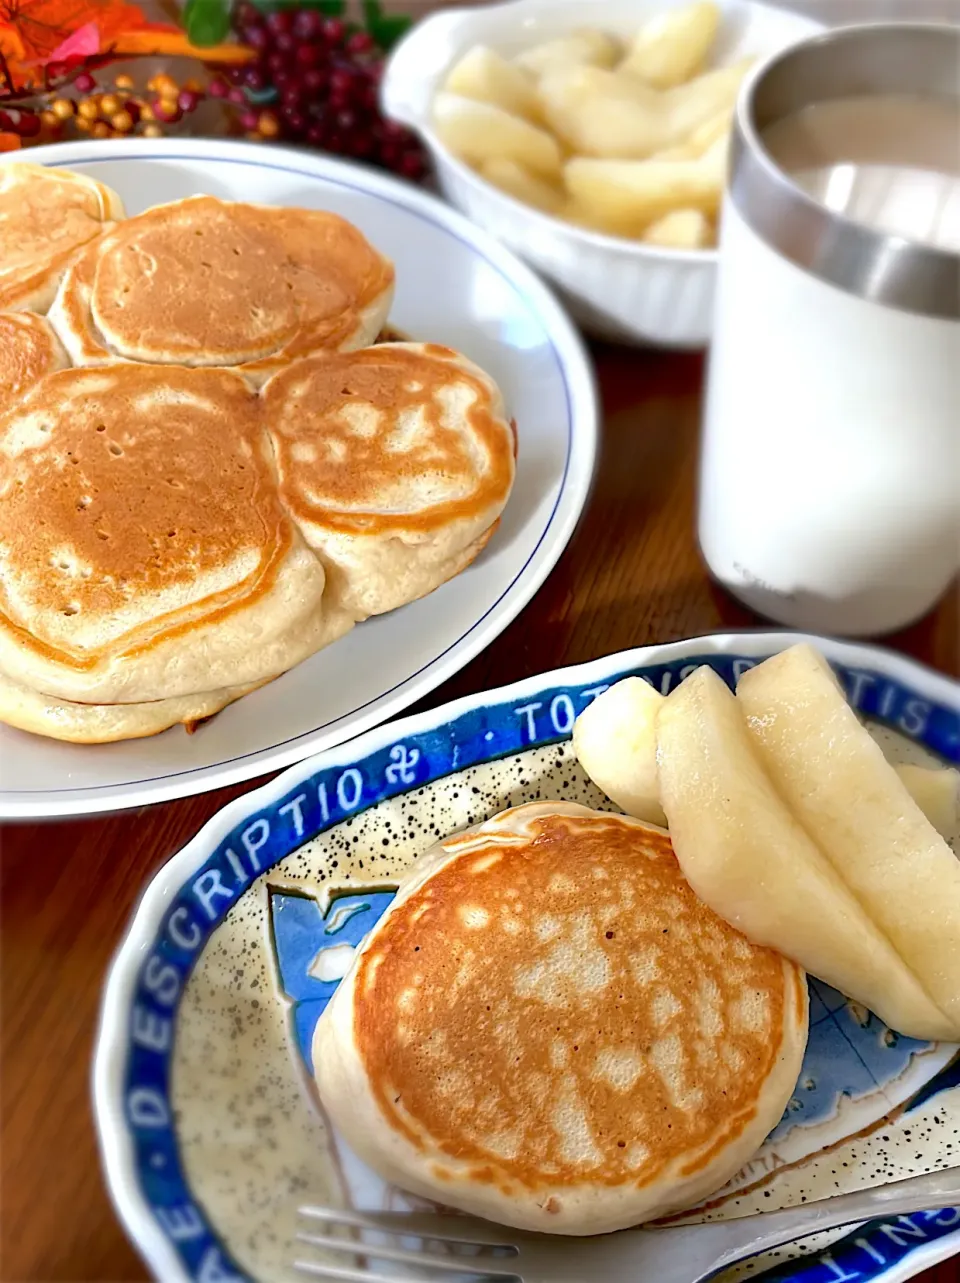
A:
{"x": 615, "y": 287}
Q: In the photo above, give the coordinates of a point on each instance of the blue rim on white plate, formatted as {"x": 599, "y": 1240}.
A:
{"x": 133, "y": 1109}
{"x": 49, "y": 779}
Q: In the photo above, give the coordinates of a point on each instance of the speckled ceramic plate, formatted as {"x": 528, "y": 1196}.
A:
{"x": 210, "y": 1131}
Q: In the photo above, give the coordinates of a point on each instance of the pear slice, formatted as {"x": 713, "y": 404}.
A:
{"x": 718, "y": 126}
{"x": 936, "y": 790}
{"x": 583, "y": 47}
{"x": 848, "y": 797}
{"x": 615, "y": 740}
{"x": 672, "y": 46}
{"x": 694, "y": 105}
{"x": 629, "y": 195}
{"x": 486, "y": 76}
{"x": 517, "y": 181}
{"x": 479, "y": 131}
{"x": 601, "y": 113}
{"x": 680, "y": 229}
{"x": 750, "y": 860}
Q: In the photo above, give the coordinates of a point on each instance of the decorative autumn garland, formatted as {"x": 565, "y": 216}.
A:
{"x": 300, "y": 72}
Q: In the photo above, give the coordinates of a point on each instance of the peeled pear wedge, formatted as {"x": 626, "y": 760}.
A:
{"x": 936, "y": 790}
{"x": 680, "y": 229}
{"x": 486, "y": 76}
{"x": 628, "y": 195}
{"x": 718, "y": 126}
{"x": 517, "y": 181}
{"x": 854, "y": 805}
{"x": 690, "y": 107}
{"x": 583, "y": 47}
{"x": 615, "y": 740}
{"x": 479, "y": 131}
{"x": 601, "y": 113}
{"x": 671, "y": 47}
{"x": 678, "y": 152}
{"x": 749, "y": 859}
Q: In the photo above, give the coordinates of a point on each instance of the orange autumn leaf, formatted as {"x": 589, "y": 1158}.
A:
{"x": 44, "y": 24}
{"x": 11, "y": 46}
{"x": 175, "y": 43}
{"x": 11, "y": 54}
{"x": 31, "y": 30}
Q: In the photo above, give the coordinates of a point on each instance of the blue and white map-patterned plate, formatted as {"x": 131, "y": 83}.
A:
{"x": 210, "y": 1131}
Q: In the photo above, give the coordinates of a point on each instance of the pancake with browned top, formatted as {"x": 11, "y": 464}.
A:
{"x": 395, "y": 462}
{"x": 29, "y": 349}
{"x": 203, "y": 281}
{"x": 144, "y": 552}
{"x": 547, "y": 1028}
{"x": 46, "y": 216}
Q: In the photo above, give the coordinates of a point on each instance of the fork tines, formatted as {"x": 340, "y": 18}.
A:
{"x": 463, "y": 1234}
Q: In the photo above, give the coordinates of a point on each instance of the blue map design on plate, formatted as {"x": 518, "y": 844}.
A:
{"x": 301, "y": 932}
{"x": 830, "y": 1070}
{"x": 340, "y": 786}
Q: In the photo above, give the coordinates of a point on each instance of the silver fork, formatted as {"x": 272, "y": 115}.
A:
{"x": 673, "y": 1254}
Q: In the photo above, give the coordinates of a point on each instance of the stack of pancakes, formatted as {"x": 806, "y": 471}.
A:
{"x": 229, "y": 477}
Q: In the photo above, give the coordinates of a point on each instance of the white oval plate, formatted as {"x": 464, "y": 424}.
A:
{"x": 455, "y": 285}
{"x": 210, "y": 1133}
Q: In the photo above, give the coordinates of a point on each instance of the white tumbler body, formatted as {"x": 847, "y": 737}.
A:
{"x": 830, "y": 467}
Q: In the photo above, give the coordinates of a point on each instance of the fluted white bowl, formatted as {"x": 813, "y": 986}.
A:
{"x": 616, "y": 288}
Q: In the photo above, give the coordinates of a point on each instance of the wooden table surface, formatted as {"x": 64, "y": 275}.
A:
{"x": 630, "y": 576}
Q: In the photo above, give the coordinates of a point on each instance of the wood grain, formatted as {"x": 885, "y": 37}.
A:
{"x": 631, "y": 575}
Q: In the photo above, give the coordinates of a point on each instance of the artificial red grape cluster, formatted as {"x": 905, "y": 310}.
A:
{"x": 322, "y": 81}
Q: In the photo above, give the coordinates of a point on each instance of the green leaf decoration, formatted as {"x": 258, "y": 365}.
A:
{"x": 385, "y": 28}
{"x": 390, "y": 29}
{"x": 331, "y": 8}
{"x": 207, "y": 22}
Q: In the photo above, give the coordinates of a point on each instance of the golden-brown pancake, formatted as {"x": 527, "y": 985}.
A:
{"x": 395, "y": 462}
{"x": 59, "y": 719}
{"x": 144, "y": 553}
{"x": 29, "y": 349}
{"x": 46, "y": 216}
{"x": 209, "y": 282}
{"x": 549, "y": 1029}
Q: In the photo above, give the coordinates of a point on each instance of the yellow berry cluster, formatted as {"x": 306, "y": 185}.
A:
{"x": 121, "y": 111}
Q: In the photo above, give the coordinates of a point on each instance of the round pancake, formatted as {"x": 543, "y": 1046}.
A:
{"x": 209, "y": 282}
{"x": 29, "y": 710}
{"x": 29, "y": 349}
{"x": 46, "y": 216}
{"x": 395, "y": 462}
{"x": 547, "y": 1028}
{"x": 144, "y": 553}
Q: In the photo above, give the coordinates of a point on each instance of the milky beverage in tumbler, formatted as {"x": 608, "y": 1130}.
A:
{"x": 830, "y": 471}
